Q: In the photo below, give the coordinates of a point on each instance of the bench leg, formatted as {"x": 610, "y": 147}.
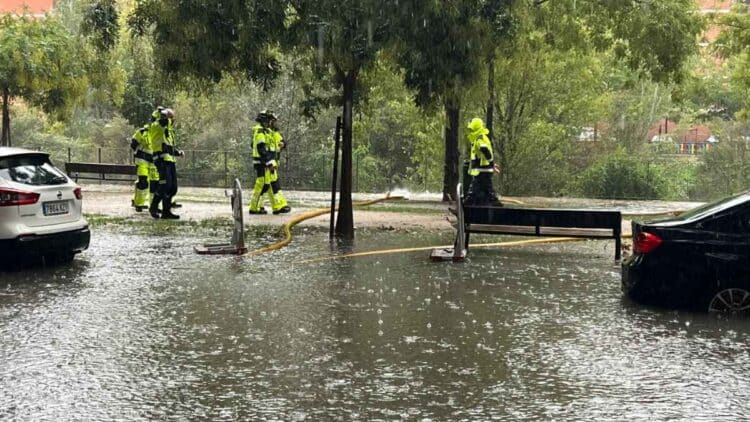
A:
{"x": 618, "y": 247}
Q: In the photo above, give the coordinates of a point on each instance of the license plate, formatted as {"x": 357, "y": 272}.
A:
{"x": 55, "y": 208}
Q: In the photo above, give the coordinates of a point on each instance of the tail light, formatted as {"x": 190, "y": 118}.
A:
{"x": 77, "y": 192}
{"x": 10, "y": 197}
{"x": 645, "y": 242}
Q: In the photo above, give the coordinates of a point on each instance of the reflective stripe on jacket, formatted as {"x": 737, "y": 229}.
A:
{"x": 263, "y": 146}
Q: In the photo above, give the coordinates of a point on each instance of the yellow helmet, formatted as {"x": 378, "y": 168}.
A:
{"x": 477, "y": 125}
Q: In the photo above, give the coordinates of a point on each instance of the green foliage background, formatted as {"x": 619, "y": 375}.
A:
{"x": 546, "y": 96}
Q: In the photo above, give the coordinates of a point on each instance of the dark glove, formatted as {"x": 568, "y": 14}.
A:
{"x": 179, "y": 152}
{"x": 133, "y": 144}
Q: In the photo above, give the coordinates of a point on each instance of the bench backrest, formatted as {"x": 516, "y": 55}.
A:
{"x": 572, "y": 218}
{"x": 100, "y": 168}
{"x": 99, "y": 171}
{"x": 545, "y": 222}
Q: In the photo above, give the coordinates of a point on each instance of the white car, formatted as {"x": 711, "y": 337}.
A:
{"x": 40, "y": 209}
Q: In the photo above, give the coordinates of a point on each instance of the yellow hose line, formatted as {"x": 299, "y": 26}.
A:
{"x": 287, "y": 230}
{"x": 428, "y": 248}
{"x": 287, "y": 227}
{"x": 513, "y": 201}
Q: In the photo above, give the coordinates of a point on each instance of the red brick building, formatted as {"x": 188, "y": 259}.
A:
{"x": 696, "y": 139}
{"x": 693, "y": 140}
{"x": 33, "y": 7}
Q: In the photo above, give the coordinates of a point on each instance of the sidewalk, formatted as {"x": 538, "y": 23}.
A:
{"x": 418, "y": 210}
{"x": 209, "y": 203}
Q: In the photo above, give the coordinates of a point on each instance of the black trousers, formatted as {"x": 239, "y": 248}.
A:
{"x": 167, "y": 185}
{"x": 481, "y": 191}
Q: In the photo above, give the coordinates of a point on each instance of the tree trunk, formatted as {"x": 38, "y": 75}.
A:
{"x": 502, "y": 142}
{"x": 491, "y": 97}
{"x": 345, "y": 218}
{"x": 5, "y": 138}
{"x": 450, "y": 167}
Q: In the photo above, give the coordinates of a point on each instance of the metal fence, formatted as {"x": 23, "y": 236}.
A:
{"x": 211, "y": 168}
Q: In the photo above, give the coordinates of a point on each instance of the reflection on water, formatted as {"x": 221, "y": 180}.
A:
{"x": 142, "y": 328}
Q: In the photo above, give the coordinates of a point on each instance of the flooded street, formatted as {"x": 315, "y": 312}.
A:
{"x": 141, "y": 328}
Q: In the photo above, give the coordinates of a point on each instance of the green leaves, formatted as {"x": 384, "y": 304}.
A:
{"x": 100, "y": 23}
{"x": 622, "y": 175}
{"x": 39, "y": 62}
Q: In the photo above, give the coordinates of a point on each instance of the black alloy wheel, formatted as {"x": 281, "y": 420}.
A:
{"x": 733, "y": 300}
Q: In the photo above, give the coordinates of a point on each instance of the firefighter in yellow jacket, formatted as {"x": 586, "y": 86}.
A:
{"x": 142, "y": 157}
{"x": 164, "y": 153}
{"x": 481, "y": 165}
{"x": 267, "y": 142}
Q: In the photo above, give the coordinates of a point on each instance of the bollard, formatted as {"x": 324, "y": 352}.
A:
{"x": 458, "y": 252}
{"x": 236, "y": 246}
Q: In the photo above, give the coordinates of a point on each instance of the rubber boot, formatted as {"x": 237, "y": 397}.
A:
{"x": 280, "y": 205}
{"x": 154, "y": 208}
{"x": 166, "y": 213}
{"x": 494, "y": 200}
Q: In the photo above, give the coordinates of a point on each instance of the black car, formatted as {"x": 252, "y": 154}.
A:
{"x": 699, "y": 260}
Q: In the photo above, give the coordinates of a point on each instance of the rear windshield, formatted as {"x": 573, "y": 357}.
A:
{"x": 32, "y": 169}
{"x": 715, "y": 206}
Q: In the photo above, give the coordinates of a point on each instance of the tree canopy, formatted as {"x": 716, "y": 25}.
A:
{"x": 41, "y": 63}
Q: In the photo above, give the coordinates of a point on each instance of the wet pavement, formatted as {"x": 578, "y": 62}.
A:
{"x": 141, "y": 328}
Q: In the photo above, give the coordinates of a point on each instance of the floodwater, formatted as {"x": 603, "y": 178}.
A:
{"x": 141, "y": 328}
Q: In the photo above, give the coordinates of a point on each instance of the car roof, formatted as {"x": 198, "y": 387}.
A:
{"x": 10, "y": 151}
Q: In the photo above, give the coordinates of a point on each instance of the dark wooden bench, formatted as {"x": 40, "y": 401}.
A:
{"x": 99, "y": 171}
{"x": 551, "y": 222}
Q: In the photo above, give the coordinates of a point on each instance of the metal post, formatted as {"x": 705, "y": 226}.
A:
{"x": 356, "y": 177}
{"x": 69, "y": 155}
{"x": 192, "y": 173}
{"x": 462, "y": 238}
{"x": 238, "y": 235}
{"x": 226, "y": 169}
{"x": 99, "y": 153}
{"x": 335, "y": 177}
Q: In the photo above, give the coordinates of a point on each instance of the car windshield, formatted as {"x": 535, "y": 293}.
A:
{"x": 32, "y": 169}
{"x": 715, "y": 206}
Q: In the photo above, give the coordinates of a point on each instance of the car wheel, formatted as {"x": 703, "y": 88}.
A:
{"x": 60, "y": 259}
{"x": 734, "y": 300}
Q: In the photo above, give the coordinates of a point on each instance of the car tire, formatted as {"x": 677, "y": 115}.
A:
{"x": 734, "y": 300}
{"x": 59, "y": 259}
